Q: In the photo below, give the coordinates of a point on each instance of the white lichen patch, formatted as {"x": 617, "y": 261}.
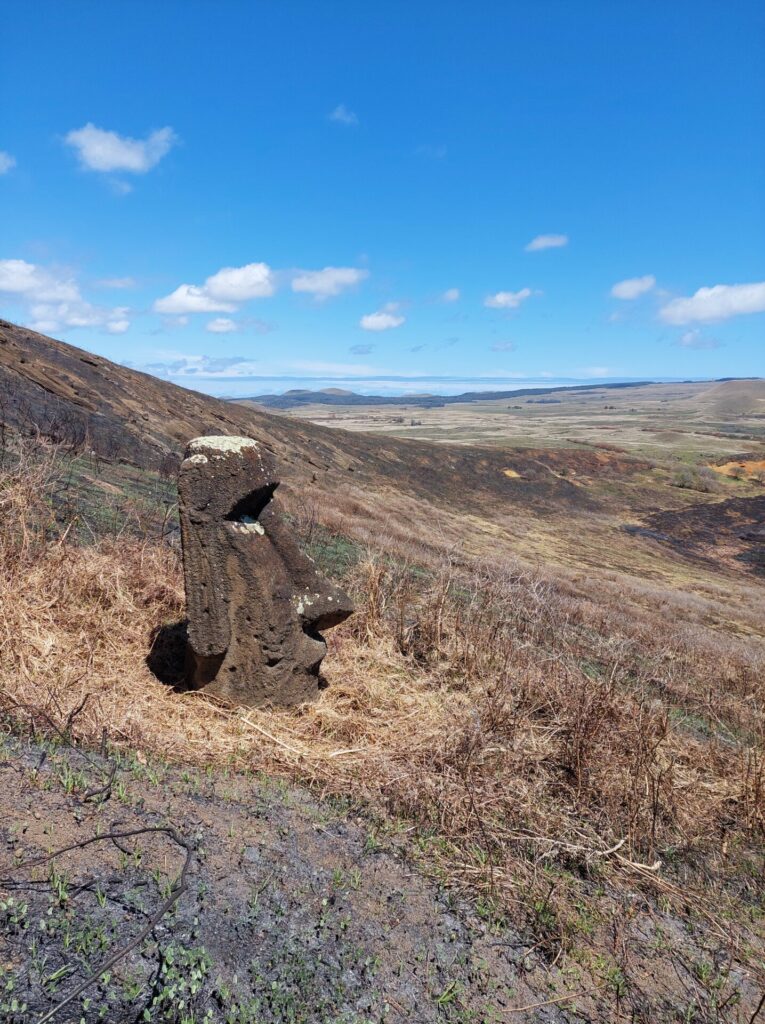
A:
{"x": 198, "y": 458}
{"x": 222, "y": 444}
{"x": 252, "y": 527}
{"x": 306, "y": 601}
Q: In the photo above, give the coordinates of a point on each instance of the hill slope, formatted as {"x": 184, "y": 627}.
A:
{"x": 566, "y": 506}
{"x": 70, "y": 395}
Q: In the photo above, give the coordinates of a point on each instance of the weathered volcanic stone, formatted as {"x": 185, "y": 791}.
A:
{"x": 255, "y": 602}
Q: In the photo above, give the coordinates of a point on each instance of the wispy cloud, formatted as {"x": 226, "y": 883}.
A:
{"x": 100, "y": 150}
{"x": 222, "y": 325}
{"x": 119, "y": 187}
{"x": 222, "y": 292}
{"x": 343, "y": 115}
{"x": 546, "y": 242}
{"x": 178, "y": 365}
{"x": 719, "y": 302}
{"x": 330, "y": 281}
{"x": 53, "y": 300}
{"x": 633, "y": 287}
{"x": 696, "y": 340}
{"x": 383, "y": 319}
{"x": 451, "y": 295}
{"x": 503, "y": 346}
{"x": 7, "y": 162}
{"x": 361, "y": 350}
{"x": 507, "y": 300}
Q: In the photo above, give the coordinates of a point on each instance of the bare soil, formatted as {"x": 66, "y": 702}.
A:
{"x": 296, "y": 910}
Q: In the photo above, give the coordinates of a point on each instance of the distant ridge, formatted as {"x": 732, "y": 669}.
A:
{"x": 336, "y": 396}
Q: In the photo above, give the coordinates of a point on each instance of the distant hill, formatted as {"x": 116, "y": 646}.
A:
{"x": 337, "y": 396}
{"x": 735, "y": 398}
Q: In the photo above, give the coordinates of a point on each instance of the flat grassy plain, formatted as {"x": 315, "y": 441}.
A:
{"x": 706, "y": 420}
{"x": 616, "y": 459}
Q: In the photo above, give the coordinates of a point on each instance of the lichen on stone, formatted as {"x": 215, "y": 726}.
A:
{"x": 223, "y": 444}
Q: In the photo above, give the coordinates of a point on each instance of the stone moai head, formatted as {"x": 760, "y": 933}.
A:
{"x": 255, "y": 603}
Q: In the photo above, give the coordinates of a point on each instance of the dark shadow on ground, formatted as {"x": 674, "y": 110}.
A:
{"x": 167, "y": 655}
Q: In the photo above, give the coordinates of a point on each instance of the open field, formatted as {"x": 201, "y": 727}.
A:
{"x": 705, "y": 420}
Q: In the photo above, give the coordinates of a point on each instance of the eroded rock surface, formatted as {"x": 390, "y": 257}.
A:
{"x": 256, "y": 603}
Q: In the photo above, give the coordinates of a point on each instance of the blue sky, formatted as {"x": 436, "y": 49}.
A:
{"x": 223, "y": 190}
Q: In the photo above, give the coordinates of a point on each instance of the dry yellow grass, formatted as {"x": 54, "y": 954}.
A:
{"x": 515, "y": 724}
{"x": 746, "y": 469}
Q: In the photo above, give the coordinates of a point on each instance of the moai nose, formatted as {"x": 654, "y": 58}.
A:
{"x": 322, "y": 604}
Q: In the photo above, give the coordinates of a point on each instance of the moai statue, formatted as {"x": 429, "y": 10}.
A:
{"x": 255, "y": 603}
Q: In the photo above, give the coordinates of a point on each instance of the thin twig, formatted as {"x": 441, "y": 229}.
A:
{"x": 546, "y": 1002}
{"x": 273, "y": 739}
{"x": 756, "y": 1013}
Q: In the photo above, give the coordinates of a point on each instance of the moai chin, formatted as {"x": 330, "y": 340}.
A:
{"x": 255, "y": 603}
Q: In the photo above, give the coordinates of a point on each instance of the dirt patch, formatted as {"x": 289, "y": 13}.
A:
{"x": 295, "y": 910}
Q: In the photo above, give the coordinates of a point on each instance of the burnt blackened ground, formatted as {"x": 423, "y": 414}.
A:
{"x": 731, "y": 531}
{"x": 295, "y": 910}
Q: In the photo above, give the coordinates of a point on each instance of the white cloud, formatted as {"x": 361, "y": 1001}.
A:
{"x": 222, "y": 325}
{"x": 188, "y": 298}
{"x": 717, "y": 303}
{"x": 52, "y": 316}
{"x": 633, "y": 287}
{"x": 176, "y": 364}
{"x": 117, "y": 326}
{"x": 546, "y": 242}
{"x": 221, "y": 291}
{"x": 7, "y": 162}
{"x": 383, "y": 319}
{"x": 30, "y": 280}
{"x": 54, "y": 302}
{"x": 503, "y": 346}
{"x": 343, "y": 115}
{"x": 327, "y": 282}
{"x": 238, "y": 284}
{"x": 99, "y": 150}
{"x": 696, "y": 340}
{"x": 507, "y": 300}
{"x": 451, "y": 295}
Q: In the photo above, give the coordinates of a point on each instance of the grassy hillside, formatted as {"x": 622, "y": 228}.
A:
{"x": 533, "y": 788}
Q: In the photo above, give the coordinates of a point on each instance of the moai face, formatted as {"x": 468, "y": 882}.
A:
{"x": 255, "y": 603}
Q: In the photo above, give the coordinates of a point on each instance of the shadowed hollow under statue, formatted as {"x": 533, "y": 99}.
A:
{"x": 255, "y": 602}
